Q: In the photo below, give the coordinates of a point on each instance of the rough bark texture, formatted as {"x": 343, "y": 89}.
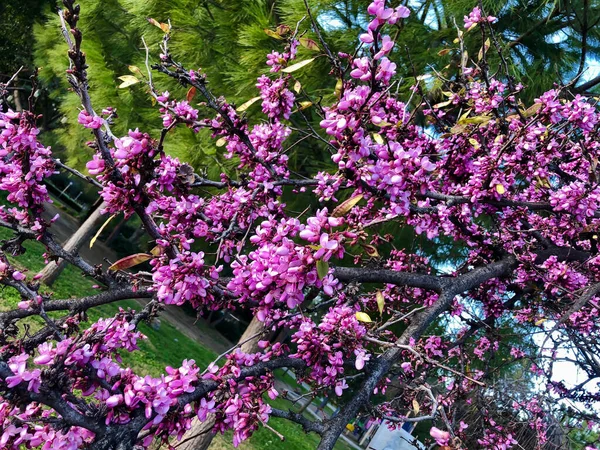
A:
{"x": 201, "y": 435}
{"x": 85, "y": 232}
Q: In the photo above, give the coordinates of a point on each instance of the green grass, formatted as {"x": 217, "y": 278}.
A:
{"x": 165, "y": 346}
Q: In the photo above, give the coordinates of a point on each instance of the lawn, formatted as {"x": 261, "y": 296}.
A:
{"x": 165, "y": 346}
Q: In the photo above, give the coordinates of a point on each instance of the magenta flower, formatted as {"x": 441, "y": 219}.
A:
{"x": 89, "y": 121}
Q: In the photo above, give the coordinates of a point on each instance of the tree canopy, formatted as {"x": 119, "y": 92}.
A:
{"x": 470, "y": 347}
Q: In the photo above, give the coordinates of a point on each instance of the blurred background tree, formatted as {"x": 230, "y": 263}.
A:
{"x": 545, "y": 42}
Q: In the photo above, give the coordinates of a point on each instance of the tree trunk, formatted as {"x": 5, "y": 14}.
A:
{"x": 83, "y": 234}
{"x": 201, "y": 434}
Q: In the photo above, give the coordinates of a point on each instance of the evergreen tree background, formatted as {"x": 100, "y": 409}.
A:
{"x": 545, "y": 42}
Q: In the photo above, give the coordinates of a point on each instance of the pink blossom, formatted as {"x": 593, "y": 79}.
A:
{"x": 441, "y": 437}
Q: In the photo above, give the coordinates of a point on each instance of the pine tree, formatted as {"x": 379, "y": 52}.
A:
{"x": 544, "y": 42}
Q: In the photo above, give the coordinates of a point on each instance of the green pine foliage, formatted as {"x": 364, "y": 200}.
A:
{"x": 227, "y": 41}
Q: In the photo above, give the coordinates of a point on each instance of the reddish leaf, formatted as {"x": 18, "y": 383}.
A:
{"x": 130, "y": 261}
{"x": 344, "y": 208}
{"x": 309, "y": 44}
{"x": 190, "y": 94}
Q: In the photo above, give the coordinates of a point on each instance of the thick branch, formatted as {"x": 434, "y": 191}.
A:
{"x": 417, "y": 327}
{"x": 307, "y": 425}
{"x": 365, "y": 275}
{"x": 77, "y": 304}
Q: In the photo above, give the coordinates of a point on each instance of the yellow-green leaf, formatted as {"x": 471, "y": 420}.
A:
{"x": 444, "y": 52}
{"x": 298, "y": 66}
{"x": 304, "y": 105}
{"x": 382, "y": 124}
{"x": 130, "y": 261}
{"x": 157, "y": 251}
{"x": 377, "y": 138}
{"x": 283, "y": 30}
{"x": 476, "y": 120}
{"x": 134, "y": 69}
{"x": 247, "y": 104}
{"x": 380, "y": 301}
{"x": 416, "y": 406}
{"x": 339, "y": 85}
{"x": 442, "y": 104}
{"x": 221, "y": 142}
{"x": 322, "y": 268}
{"x": 346, "y": 206}
{"x": 465, "y": 58}
{"x": 128, "y": 80}
{"x": 371, "y": 251}
{"x": 500, "y": 189}
{"x": 474, "y": 143}
{"x": 99, "y": 232}
{"x": 297, "y": 87}
{"x": 272, "y": 34}
{"x": 532, "y": 109}
{"x": 363, "y": 317}
{"x": 309, "y": 44}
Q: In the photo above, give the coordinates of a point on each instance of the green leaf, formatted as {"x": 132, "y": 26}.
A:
{"x": 363, "y": 317}
{"x": 99, "y": 232}
{"x": 322, "y": 268}
{"x": 298, "y": 66}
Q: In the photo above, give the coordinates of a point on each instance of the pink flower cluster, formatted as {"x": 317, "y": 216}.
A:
{"x": 89, "y": 121}
{"x": 278, "y": 61}
{"x": 184, "y": 279}
{"x": 475, "y": 18}
{"x": 327, "y": 346}
{"x": 24, "y": 164}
